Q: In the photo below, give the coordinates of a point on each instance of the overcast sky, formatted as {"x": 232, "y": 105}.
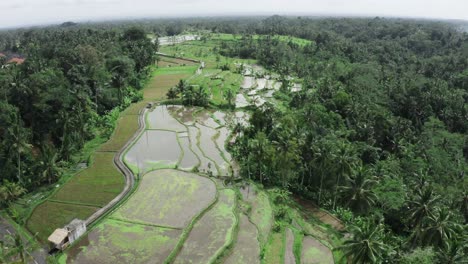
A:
{"x": 32, "y": 12}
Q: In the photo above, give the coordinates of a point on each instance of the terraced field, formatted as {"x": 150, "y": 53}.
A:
{"x": 182, "y": 211}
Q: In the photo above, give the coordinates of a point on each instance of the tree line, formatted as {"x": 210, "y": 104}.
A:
{"x": 378, "y": 134}
{"x": 69, "y": 90}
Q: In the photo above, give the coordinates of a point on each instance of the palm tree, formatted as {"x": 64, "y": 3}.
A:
{"x": 366, "y": 244}
{"x": 50, "y": 170}
{"x": 19, "y": 144}
{"x": 358, "y": 192}
{"x": 344, "y": 163}
{"x": 453, "y": 253}
{"x": 16, "y": 247}
{"x": 10, "y": 191}
{"x": 440, "y": 228}
{"x": 422, "y": 206}
{"x": 229, "y": 97}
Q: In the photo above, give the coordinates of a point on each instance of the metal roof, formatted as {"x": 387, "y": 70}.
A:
{"x": 58, "y": 236}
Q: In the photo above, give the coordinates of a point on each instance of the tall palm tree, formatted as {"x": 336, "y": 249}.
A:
{"x": 344, "y": 162}
{"x": 50, "y": 170}
{"x": 440, "y": 228}
{"x": 454, "y": 252}
{"x": 422, "y": 206}
{"x": 358, "y": 192}
{"x": 366, "y": 244}
{"x": 19, "y": 144}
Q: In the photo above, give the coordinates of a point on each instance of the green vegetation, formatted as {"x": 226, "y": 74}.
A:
{"x": 97, "y": 185}
{"x": 213, "y": 233}
{"x": 50, "y": 215}
{"x": 117, "y": 241}
{"x": 165, "y": 198}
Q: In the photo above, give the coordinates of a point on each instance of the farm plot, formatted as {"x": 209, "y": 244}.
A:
{"x": 160, "y": 118}
{"x": 155, "y": 149}
{"x": 206, "y": 165}
{"x": 262, "y": 215}
{"x": 50, "y": 215}
{"x": 126, "y": 127}
{"x": 313, "y": 252}
{"x": 247, "y": 247}
{"x": 96, "y": 185}
{"x": 289, "y": 249}
{"x": 210, "y": 149}
{"x": 212, "y": 233}
{"x": 241, "y": 101}
{"x": 274, "y": 250}
{"x": 168, "y": 198}
{"x": 189, "y": 160}
{"x": 115, "y": 241}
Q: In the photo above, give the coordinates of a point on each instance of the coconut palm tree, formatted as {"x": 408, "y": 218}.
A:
{"x": 357, "y": 193}
{"x": 50, "y": 171}
{"x": 440, "y": 228}
{"x": 366, "y": 244}
{"x": 453, "y": 253}
{"x": 422, "y": 206}
{"x": 344, "y": 162}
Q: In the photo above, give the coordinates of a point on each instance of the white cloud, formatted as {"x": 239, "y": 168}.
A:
{"x": 30, "y": 12}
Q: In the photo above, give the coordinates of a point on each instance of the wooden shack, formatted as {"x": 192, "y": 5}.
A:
{"x": 61, "y": 238}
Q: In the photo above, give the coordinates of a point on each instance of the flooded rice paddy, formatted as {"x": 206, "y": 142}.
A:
{"x": 212, "y": 233}
{"x": 114, "y": 241}
{"x": 166, "y": 198}
{"x": 314, "y": 252}
{"x": 155, "y": 149}
{"x": 289, "y": 249}
{"x": 247, "y": 247}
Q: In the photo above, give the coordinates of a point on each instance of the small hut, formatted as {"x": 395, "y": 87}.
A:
{"x": 63, "y": 237}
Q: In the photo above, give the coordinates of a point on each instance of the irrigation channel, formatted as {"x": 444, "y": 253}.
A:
{"x": 180, "y": 210}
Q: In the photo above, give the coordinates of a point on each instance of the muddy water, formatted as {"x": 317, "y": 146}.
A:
{"x": 242, "y": 118}
{"x": 248, "y": 192}
{"x": 206, "y": 165}
{"x": 160, "y": 118}
{"x": 190, "y": 160}
{"x": 241, "y": 101}
{"x": 289, "y": 251}
{"x": 154, "y": 149}
{"x": 247, "y": 248}
{"x": 221, "y": 142}
{"x": 248, "y": 82}
{"x": 221, "y": 117}
{"x": 269, "y": 94}
{"x": 185, "y": 115}
{"x": 211, "y": 233}
{"x": 204, "y": 118}
{"x": 315, "y": 252}
{"x": 258, "y": 100}
{"x": 168, "y": 198}
{"x": 208, "y": 146}
{"x": 261, "y": 84}
{"x": 114, "y": 242}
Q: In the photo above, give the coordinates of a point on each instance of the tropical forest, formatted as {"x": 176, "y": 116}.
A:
{"x": 256, "y": 139}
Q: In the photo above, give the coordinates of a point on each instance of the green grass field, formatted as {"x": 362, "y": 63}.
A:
{"x": 274, "y": 249}
{"x": 50, "y": 215}
{"x": 97, "y": 185}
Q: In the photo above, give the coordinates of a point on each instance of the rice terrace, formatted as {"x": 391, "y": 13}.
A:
{"x": 187, "y": 204}
{"x": 234, "y": 141}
